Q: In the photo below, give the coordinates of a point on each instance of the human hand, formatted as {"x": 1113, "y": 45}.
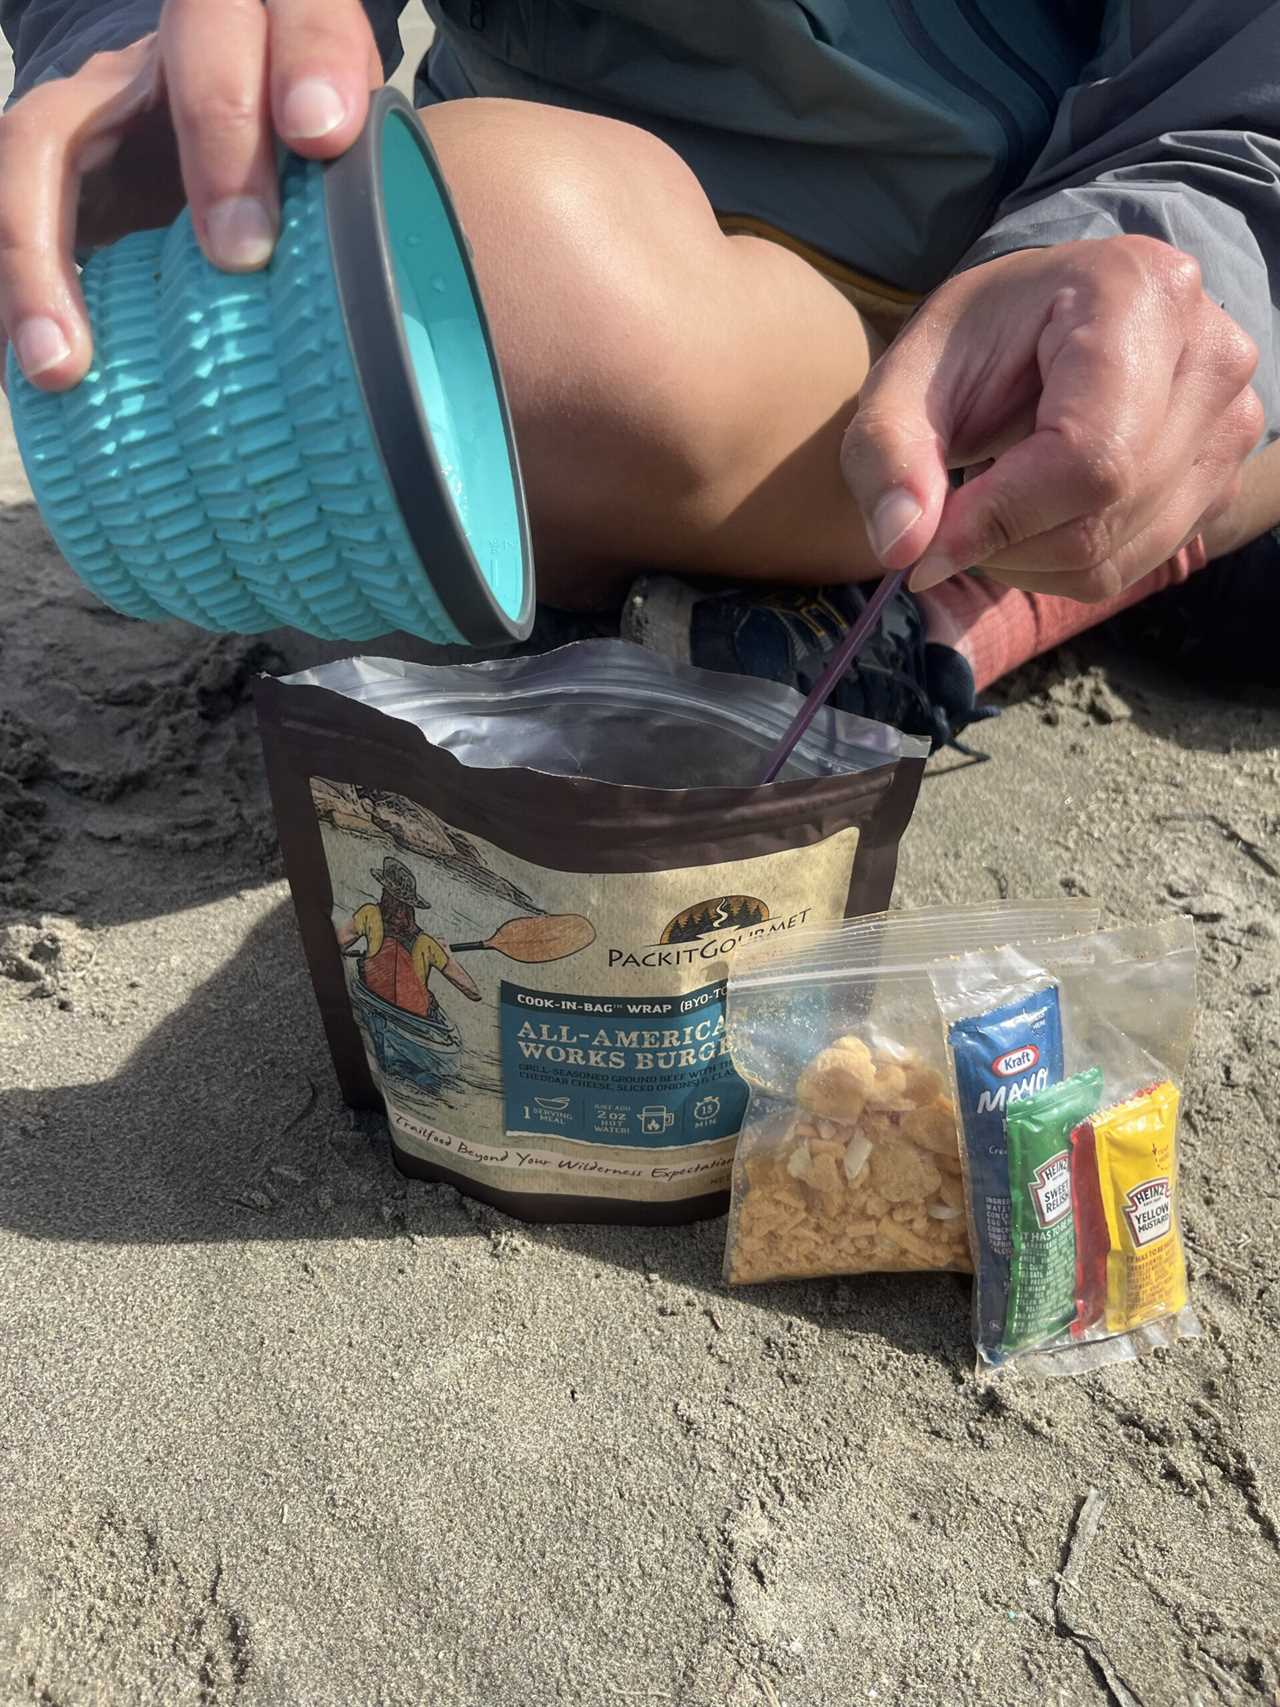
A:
{"x": 1110, "y": 396}
{"x": 190, "y": 112}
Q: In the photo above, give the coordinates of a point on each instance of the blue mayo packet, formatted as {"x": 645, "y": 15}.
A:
{"x": 998, "y": 1057}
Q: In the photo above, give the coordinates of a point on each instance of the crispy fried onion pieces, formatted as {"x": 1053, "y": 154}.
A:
{"x": 865, "y": 1178}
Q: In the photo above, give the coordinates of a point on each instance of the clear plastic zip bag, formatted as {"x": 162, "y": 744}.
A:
{"x": 1067, "y": 1064}
{"x": 849, "y": 1160}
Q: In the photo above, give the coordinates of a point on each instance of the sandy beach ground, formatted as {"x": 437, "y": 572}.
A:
{"x": 279, "y": 1427}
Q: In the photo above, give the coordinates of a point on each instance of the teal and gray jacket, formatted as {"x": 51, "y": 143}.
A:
{"x": 906, "y": 138}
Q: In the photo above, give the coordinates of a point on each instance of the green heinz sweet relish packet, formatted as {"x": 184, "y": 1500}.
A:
{"x": 1042, "y": 1264}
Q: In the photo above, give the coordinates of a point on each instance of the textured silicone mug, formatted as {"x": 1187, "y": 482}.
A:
{"x": 325, "y": 444}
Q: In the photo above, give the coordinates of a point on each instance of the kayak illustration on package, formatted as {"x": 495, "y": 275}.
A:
{"x": 410, "y": 1031}
{"x": 536, "y": 1020}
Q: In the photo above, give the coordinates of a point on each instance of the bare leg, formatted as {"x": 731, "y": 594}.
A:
{"x": 1254, "y": 511}
{"x": 679, "y": 395}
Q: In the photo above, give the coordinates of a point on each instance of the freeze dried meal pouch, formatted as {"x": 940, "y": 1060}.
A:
{"x": 1042, "y": 1263}
{"x": 849, "y": 1160}
{"x": 520, "y": 884}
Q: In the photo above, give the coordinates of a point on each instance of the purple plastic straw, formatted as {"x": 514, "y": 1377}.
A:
{"x": 841, "y": 659}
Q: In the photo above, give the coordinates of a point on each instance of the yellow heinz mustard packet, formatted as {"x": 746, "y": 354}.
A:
{"x": 1138, "y": 1173}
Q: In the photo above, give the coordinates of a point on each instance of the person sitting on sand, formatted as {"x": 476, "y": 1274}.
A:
{"x": 764, "y": 278}
{"x": 399, "y": 957}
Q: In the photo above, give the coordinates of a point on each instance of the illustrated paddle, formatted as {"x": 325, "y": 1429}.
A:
{"x": 531, "y": 940}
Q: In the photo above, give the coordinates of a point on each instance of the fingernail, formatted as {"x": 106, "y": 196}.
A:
{"x": 932, "y": 569}
{"x": 892, "y": 516}
{"x": 41, "y": 344}
{"x": 241, "y": 233}
{"x": 312, "y": 108}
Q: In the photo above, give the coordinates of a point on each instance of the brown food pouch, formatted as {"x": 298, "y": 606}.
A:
{"x": 519, "y": 886}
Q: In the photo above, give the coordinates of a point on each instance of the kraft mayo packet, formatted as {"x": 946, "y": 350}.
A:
{"x": 998, "y": 1056}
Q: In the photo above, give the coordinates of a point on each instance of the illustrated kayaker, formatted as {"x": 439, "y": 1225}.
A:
{"x": 399, "y": 956}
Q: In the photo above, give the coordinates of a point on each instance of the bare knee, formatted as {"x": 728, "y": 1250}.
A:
{"x": 597, "y": 254}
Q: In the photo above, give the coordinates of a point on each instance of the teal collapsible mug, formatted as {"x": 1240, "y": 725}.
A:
{"x": 325, "y": 444}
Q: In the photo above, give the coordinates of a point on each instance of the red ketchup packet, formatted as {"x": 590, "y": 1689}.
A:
{"x": 1092, "y": 1239}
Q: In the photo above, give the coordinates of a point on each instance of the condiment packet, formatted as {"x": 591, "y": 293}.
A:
{"x": 1042, "y": 1268}
{"x": 1090, "y": 1267}
{"x": 998, "y": 1056}
{"x": 1093, "y": 1242}
{"x": 1137, "y": 1169}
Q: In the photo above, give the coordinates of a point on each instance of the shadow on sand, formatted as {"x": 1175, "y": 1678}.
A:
{"x": 225, "y": 1125}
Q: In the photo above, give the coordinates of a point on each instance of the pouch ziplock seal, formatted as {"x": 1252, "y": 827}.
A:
{"x": 906, "y": 943}
{"x": 517, "y": 704}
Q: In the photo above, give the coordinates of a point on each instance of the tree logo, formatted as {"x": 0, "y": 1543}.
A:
{"x": 725, "y": 913}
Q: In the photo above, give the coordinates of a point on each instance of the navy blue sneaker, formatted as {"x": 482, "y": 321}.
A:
{"x": 788, "y": 635}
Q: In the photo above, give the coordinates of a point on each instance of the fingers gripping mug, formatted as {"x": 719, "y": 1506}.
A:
{"x": 324, "y": 444}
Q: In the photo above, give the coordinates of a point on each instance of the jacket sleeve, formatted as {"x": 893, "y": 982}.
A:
{"x": 53, "y": 38}
{"x": 1173, "y": 131}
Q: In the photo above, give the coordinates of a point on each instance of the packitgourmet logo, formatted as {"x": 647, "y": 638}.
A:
{"x": 709, "y": 930}
{"x": 727, "y": 912}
